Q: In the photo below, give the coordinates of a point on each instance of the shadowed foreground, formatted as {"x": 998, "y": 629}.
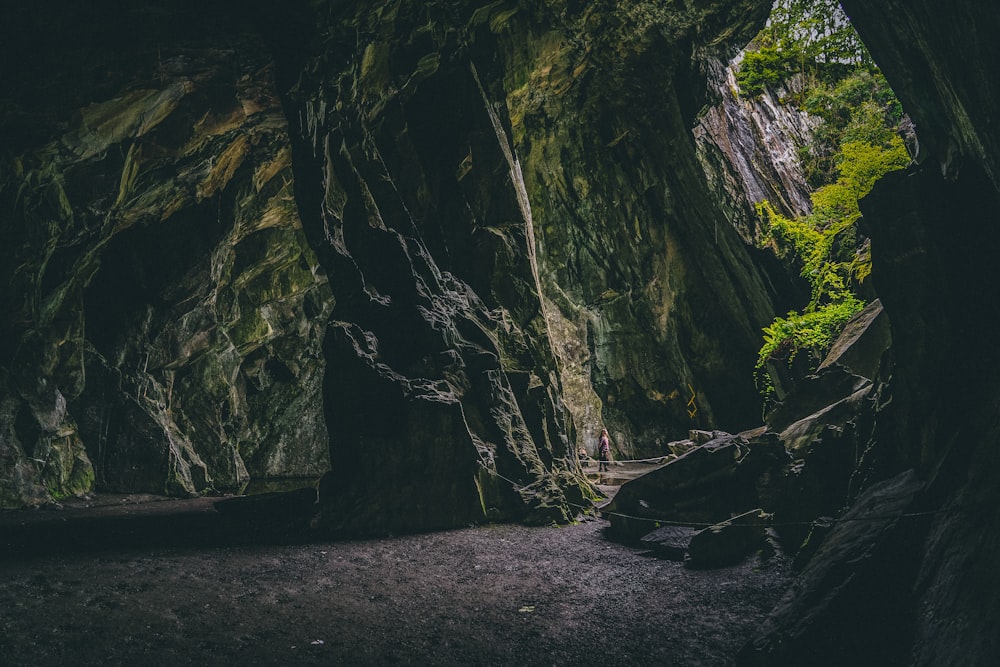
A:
{"x": 173, "y": 587}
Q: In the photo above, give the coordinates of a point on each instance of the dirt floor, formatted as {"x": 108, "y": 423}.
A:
{"x": 144, "y": 581}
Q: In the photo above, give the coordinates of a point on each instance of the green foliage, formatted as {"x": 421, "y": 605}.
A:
{"x": 813, "y": 331}
{"x": 840, "y": 83}
{"x": 821, "y": 30}
{"x": 825, "y": 244}
{"x": 813, "y": 38}
{"x": 765, "y": 68}
{"x": 859, "y": 107}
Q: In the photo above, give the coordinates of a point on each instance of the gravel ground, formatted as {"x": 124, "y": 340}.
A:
{"x": 164, "y": 584}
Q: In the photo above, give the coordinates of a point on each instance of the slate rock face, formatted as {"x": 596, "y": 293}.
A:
{"x": 436, "y": 147}
{"x": 441, "y": 389}
{"x": 168, "y": 316}
{"x": 163, "y": 313}
{"x": 654, "y": 297}
{"x": 749, "y": 147}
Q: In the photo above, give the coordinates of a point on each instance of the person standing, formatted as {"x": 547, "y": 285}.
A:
{"x": 604, "y": 451}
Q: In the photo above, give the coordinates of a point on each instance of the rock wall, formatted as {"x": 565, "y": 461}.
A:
{"x": 654, "y": 301}
{"x": 750, "y": 147}
{"x": 437, "y": 147}
{"x": 166, "y": 323}
{"x": 169, "y": 312}
{"x": 442, "y": 392}
{"x": 163, "y": 314}
{"x": 166, "y": 312}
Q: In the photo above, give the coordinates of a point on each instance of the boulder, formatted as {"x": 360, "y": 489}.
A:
{"x": 681, "y": 447}
{"x": 710, "y": 483}
{"x": 849, "y": 603}
{"x": 814, "y": 395}
{"x": 825, "y": 425}
{"x": 861, "y": 345}
{"x": 670, "y": 542}
{"x": 727, "y": 542}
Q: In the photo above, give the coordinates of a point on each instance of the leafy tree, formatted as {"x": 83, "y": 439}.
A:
{"x": 818, "y": 31}
{"x": 764, "y": 68}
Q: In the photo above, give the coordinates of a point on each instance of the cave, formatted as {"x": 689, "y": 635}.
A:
{"x": 328, "y": 274}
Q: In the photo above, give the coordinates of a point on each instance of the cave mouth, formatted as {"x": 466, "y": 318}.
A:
{"x": 472, "y": 372}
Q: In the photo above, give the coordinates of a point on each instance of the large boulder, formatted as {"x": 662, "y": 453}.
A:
{"x": 833, "y": 616}
{"x": 826, "y": 425}
{"x": 727, "y": 542}
{"x": 862, "y": 344}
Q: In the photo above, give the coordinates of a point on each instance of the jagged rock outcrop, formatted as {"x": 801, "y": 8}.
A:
{"x": 435, "y": 147}
{"x": 163, "y": 313}
{"x": 147, "y": 209}
{"x": 441, "y": 390}
{"x": 750, "y": 149}
{"x": 818, "y": 621}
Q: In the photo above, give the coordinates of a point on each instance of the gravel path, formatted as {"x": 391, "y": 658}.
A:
{"x": 492, "y": 595}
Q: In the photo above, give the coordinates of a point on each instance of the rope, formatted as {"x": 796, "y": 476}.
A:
{"x": 658, "y": 458}
{"x": 822, "y": 521}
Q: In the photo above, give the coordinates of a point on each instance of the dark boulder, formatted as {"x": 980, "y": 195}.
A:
{"x": 709, "y": 484}
{"x": 852, "y": 600}
{"x": 670, "y": 542}
{"x": 727, "y": 542}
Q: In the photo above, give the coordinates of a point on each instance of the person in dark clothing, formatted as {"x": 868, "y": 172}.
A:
{"x": 604, "y": 451}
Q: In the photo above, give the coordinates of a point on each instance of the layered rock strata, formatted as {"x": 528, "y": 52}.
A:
{"x": 654, "y": 298}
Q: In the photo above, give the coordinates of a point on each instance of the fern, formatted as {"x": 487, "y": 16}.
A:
{"x": 813, "y": 241}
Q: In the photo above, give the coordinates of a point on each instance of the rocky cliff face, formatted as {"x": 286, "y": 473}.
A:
{"x": 435, "y": 148}
{"x": 163, "y": 313}
{"x": 750, "y": 147}
{"x": 501, "y": 205}
{"x": 653, "y": 298}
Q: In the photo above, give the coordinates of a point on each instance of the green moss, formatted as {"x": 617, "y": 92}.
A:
{"x": 251, "y": 330}
{"x": 428, "y": 65}
{"x": 68, "y": 472}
